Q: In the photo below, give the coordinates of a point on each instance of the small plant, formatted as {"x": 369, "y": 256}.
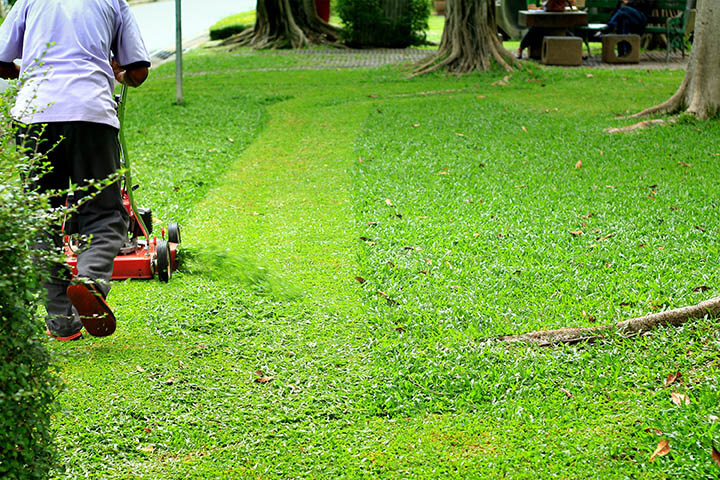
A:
{"x": 384, "y": 23}
{"x": 28, "y": 384}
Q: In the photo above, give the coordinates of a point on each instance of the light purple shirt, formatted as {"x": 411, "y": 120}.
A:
{"x": 65, "y": 47}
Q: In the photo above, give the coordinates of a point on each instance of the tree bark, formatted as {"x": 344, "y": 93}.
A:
{"x": 633, "y": 326}
{"x": 699, "y": 93}
{"x": 470, "y": 41}
{"x": 285, "y": 24}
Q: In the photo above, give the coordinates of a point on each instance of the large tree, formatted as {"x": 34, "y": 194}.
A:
{"x": 699, "y": 93}
{"x": 286, "y": 24}
{"x": 470, "y": 40}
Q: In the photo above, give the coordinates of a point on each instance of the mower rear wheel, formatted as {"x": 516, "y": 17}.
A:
{"x": 163, "y": 261}
{"x": 174, "y": 232}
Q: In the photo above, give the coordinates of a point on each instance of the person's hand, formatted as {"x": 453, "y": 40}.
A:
{"x": 131, "y": 78}
{"x": 116, "y": 68}
{"x": 9, "y": 70}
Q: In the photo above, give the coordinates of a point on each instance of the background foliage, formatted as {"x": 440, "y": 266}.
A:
{"x": 369, "y": 23}
{"x": 27, "y": 382}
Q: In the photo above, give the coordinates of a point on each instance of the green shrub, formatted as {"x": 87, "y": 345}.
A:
{"x": 231, "y": 25}
{"x": 384, "y": 23}
{"x": 228, "y": 31}
{"x": 27, "y": 382}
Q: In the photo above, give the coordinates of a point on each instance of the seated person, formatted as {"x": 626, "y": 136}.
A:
{"x": 630, "y": 16}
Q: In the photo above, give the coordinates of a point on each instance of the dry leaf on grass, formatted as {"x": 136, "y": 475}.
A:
{"x": 716, "y": 456}
{"x": 679, "y": 399}
{"x": 672, "y": 378}
{"x": 578, "y": 164}
{"x": 262, "y": 378}
{"x": 140, "y": 369}
{"x": 148, "y": 448}
{"x": 360, "y": 280}
{"x": 388, "y": 202}
{"x": 576, "y": 233}
{"x": 663, "y": 448}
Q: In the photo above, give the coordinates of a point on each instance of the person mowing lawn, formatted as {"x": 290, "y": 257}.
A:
{"x": 66, "y": 111}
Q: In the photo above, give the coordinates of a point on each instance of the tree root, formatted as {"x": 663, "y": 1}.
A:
{"x": 239, "y": 39}
{"x": 671, "y": 105}
{"x": 638, "y": 126}
{"x": 633, "y": 326}
{"x": 434, "y": 65}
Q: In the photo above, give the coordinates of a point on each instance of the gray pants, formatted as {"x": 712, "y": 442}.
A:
{"x": 78, "y": 152}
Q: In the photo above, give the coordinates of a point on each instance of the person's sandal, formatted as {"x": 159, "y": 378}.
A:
{"x": 75, "y": 336}
{"x": 95, "y": 314}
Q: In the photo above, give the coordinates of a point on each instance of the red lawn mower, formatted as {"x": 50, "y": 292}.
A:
{"x": 141, "y": 256}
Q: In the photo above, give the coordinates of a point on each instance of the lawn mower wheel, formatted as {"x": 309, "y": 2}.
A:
{"x": 163, "y": 261}
{"x": 174, "y": 232}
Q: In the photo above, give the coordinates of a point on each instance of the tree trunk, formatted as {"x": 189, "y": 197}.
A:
{"x": 470, "y": 40}
{"x": 699, "y": 93}
{"x": 285, "y": 24}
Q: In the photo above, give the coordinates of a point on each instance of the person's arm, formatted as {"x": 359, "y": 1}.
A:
{"x": 9, "y": 70}
{"x": 12, "y": 38}
{"x": 131, "y": 75}
{"x": 131, "y": 59}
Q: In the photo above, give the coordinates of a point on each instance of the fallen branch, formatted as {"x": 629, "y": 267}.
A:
{"x": 633, "y": 326}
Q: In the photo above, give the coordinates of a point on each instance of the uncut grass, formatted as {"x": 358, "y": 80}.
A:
{"x": 362, "y": 388}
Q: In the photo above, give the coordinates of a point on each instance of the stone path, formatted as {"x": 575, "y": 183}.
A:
{"x": 333, "y": 58}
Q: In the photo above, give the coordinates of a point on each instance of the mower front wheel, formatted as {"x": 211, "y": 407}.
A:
{"x": 174, "y": 232}
{"x": 163, "y": 261}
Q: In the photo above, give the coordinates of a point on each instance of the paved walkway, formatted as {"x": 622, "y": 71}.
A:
{"x": 332, "y": 58}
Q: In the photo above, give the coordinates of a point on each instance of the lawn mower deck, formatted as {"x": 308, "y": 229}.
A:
{"x": 141, "y": 256}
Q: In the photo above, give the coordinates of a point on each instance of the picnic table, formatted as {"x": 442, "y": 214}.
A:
{"x": 550, "y": 24}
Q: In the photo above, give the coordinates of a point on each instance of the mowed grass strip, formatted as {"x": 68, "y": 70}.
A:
{"x": 266, "y": 358}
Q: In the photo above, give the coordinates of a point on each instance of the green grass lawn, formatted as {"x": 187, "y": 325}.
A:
{"x": 453, "y": 201}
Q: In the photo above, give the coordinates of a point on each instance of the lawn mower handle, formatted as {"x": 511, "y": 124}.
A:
{"x": 126, "y": 161}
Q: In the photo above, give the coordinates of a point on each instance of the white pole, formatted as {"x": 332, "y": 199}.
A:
{"x": 178, "y": 53}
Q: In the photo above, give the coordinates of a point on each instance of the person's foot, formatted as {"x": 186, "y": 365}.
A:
{"x": 95, "y": 314}
{"x": 75, "y": 336}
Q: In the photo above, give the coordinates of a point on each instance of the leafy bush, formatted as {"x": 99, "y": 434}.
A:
{"x": 384, "y": 23}
{"x": 27, "y": 382}
{"x": 228, "y": 31}
{"x": 231, "y": 25}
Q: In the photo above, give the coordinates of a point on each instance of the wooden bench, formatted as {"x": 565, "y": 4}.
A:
{"x": 673, "y": 18}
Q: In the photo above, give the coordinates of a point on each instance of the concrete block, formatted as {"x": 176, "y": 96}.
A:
{"x": 562, "y": 51}
{"x": 621, "y": 48}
